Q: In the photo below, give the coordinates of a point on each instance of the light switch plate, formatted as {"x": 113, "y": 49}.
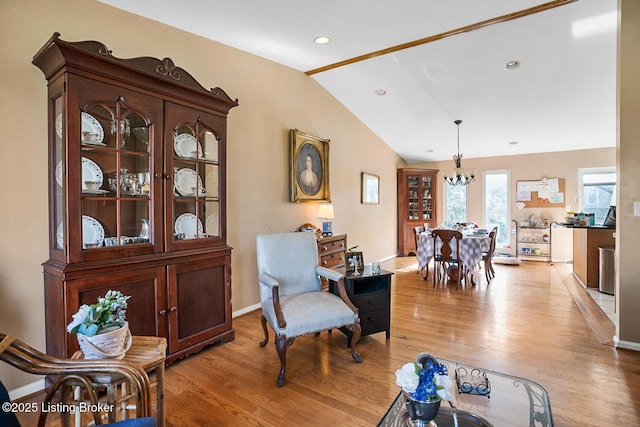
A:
{"x": 636, "y": 208}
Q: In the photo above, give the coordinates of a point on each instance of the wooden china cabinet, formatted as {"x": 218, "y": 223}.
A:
{"x": 416, "y": 205}
{"x": 137, "y": 165}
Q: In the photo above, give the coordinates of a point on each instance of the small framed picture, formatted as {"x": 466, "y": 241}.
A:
{"x": 370, "y": 189}
{"x": 354, "y": 261}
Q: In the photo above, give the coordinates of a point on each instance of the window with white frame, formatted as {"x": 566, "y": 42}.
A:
{"x": 597, "y": 187}
{"x": 455, "y": 203}
{"x": 496, "y": 205}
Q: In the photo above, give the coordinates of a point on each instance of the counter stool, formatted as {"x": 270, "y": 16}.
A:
{"x": 147, "y": 352}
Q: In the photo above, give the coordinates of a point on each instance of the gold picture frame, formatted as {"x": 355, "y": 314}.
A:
{"x": 309, "y": 168}
{"x": 370, "y": 189}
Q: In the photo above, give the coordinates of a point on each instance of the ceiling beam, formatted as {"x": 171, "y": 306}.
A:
{"x": 504, "y": 18}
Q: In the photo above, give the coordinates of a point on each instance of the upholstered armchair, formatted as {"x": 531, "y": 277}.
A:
{"x": 291, "y": 295}
{"x": 73, "y": 380}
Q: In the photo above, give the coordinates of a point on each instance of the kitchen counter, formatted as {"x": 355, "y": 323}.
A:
{"x": 586, "y": 241}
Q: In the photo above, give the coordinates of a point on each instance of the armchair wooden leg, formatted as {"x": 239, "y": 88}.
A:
{"x": 263, "y": 320}
{"x": 356, "y": 331}
{"x": 282, "y": 343}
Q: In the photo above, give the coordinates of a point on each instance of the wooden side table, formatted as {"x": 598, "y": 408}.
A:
{"x": 149, "y": 353}
{"x": 371, "y": 294}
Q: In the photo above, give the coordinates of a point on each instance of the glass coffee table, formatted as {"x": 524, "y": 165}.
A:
{"x": 500, "y": 400}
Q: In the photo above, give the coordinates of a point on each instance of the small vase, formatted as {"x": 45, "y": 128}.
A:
{"x": 422, "y": 413}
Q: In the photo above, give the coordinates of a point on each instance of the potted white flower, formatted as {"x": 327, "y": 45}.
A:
{"x": 425, "y": 383}
{"x": 101, "y": 329}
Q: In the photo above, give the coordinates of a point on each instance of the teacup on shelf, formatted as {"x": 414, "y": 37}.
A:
{"x": 93, "y": 185}
{"x": 89, "y": 136}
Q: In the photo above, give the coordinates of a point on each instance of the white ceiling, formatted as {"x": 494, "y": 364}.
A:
{"x": 561, "y": 98}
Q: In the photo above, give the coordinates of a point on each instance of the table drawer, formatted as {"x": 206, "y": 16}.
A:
{"x": 332, "y": 260}
{"x": 374, "y": 321}
{"x": 371, "y": 301}
{"x": 331, "y": 247}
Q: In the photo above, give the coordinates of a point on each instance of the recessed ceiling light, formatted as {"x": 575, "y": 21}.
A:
{"x": 513, "y": 143}
{"x": 512, "y": 65}
{"x": 322, "y": 40}
{"x": 380, "y": 92}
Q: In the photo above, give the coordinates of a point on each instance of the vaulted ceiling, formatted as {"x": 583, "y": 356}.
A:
{"x": 409, "y": 68}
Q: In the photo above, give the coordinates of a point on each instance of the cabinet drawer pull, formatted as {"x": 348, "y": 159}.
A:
{"x": 324, "y": 248}
{"x": 324, "y": 262}
{"x": 173, "y": 309}
{"x": 163, "y": 312}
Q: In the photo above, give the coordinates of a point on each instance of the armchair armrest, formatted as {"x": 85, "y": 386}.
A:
{"x": 267, "y": 280}
{"x": 272, "y": 283}
{"x": 337, "y": 277}
{"x": 329, "y": 273}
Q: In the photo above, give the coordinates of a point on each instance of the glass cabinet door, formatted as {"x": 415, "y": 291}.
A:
{"x": 59, "y": 186}
{"x": 196, "y": 194}
{"x": 115, "y": 182}
{"x": 413, "y": 198}
{"x": 420, "y": 200}
{"x": 196, "y": 183}
{"x": 426, "y": 193}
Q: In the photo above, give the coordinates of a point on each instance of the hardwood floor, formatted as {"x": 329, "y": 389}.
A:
{"x": 526, "y": 323}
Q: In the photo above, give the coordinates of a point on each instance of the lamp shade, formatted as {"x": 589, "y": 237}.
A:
{"x": 326, "y": 211}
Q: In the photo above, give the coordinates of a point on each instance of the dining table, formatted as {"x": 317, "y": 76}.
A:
{"x": 472, "y": 246}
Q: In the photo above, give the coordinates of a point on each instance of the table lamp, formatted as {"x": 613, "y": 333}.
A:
{"x": 325, "y": 211}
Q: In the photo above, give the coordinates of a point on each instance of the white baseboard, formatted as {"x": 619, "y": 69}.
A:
{"x": 27, "y": 389}
{"x": 629, "y": 345}
{"x": 245, "y": 310}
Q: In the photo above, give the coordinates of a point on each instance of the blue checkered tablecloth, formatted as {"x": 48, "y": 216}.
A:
{"x": 471, "y": 249}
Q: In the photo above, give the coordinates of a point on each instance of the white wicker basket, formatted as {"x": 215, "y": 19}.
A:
{"x": 112, "y": 345}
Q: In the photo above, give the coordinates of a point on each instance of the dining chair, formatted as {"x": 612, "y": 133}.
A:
{"x": 488, "y": 255}
{"x": 416, "y": 235}
{"x": 291, "y": 296}
{"x": 445, "y": 258}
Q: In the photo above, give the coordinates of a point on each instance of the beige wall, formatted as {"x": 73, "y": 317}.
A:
{"x": 628, "y": 156}
{"x": 273, "y": 99}
{"x": 563, "y": 164}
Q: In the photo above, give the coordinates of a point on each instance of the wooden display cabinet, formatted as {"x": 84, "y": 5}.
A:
{"x": 137, "y": 176}
{"x": 416, "y": 205}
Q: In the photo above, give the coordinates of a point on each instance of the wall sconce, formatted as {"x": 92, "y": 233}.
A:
{"x": 325, "y": 211}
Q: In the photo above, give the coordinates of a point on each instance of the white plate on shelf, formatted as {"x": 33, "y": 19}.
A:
{"x": 59, "y": 125}
{"x": 59, "y": 173}
{"x": 185, "y": 182}
{"x": 187, "y": 224}
{"x": 185, "y": 146}
{"x": 91, "y": 124}
{"x": 60, "y": 237}
{"x": 90, "y": 172}
{"x": 92, "y": 231}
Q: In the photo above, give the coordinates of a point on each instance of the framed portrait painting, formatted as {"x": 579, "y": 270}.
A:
{"x": 309, "y": 168}
{"x": 370, "y": 189}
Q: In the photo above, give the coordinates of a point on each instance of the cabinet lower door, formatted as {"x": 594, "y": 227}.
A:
{"x": 199, "y": 293}
{"x": 146, "y": 288}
